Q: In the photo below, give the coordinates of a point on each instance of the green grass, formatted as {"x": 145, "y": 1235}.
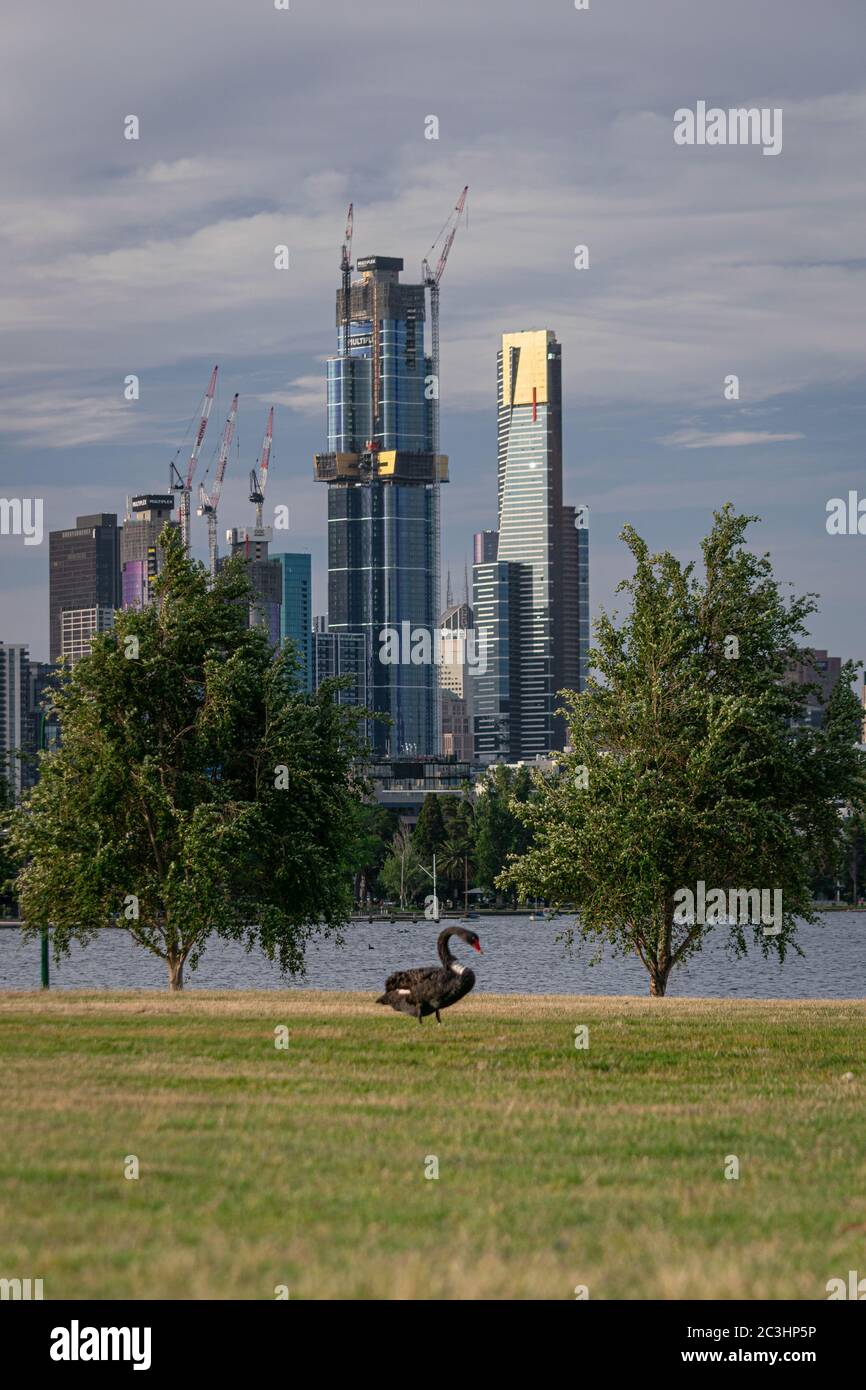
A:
{"x": 305, "y": 1167}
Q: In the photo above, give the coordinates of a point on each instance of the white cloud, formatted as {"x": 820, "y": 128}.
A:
{"x": 726, "y": 439}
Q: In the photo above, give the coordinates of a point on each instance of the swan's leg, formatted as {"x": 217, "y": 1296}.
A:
{"x": 438, "y": 1019}
{"x": 420, "y": 1014}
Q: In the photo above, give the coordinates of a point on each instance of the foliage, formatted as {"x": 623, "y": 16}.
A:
{"x": 689, "y": 761}
{"x": 196, "y": 789}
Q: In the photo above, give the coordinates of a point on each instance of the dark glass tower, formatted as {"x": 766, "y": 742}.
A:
{"x": 382, "y": 478}
{"x": 84, "y": 570}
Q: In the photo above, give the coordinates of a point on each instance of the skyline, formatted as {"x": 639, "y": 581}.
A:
{"x": 156, "y": 257}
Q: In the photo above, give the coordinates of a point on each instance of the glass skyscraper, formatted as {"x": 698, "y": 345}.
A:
{"x": 531, "y": 595}
{"x": 382, "y": 478}
{"x": 296, "y": 612}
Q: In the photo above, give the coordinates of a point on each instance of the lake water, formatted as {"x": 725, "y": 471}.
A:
{"x": 520, "y": 956}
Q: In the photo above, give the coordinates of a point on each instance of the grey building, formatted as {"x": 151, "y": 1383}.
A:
{"x": 531, "y": 575}
{"x": 140, "y": 555}
{"x": 83, "y": 570}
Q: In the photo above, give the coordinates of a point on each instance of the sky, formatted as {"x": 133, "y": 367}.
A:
{"x": 257, "y": 127}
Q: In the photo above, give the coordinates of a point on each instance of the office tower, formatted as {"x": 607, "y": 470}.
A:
{"x": 823, "y": 671}
{"x": 140, "y": 556}
{"x": 265, "y": 574}
{"x": 485, "y": 546}
{"x": 15, "y": 724}
{"x": 84, "y": 570}
{"x": 574, "y": 609}
{"x": 382, "y": 477}
{"x": 296, "y": 611}
{"x": 530, "y": 577}
{"x": 455, "y": 625}
{"x": 343, "y": 654}
{"x": 45, "y": 725}
{"x": 456, "y": 654}
{"x": 494, "y": 691}
{"x": 78, "y": 626}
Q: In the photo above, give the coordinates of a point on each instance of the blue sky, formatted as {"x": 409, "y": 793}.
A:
{"x": 258, "y": 126}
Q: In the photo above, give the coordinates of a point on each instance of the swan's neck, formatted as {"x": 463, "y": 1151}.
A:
{"x": 456, "y": 968}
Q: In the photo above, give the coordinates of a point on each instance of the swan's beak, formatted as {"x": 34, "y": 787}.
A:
{"x": 477, "y": 947}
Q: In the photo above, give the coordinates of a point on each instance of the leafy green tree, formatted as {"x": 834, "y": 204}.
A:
{"x": 688, "y": 762}
{"x": 196, "y": 789}
{"x": 401, "y": 875}
{"x": 458, "y": 850}
{"x": 8, "y": 863}
{"x": 377, "y": 826}
{"x": 429, "y": 834}
{"x": 500, "y": 832}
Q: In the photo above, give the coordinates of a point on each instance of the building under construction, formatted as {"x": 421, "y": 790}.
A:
{"x": 383, "y": 473}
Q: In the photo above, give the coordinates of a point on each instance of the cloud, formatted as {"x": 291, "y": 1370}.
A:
{"x": 727, "y": 439}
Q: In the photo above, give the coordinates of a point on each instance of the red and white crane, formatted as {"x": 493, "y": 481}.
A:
{"x": 209, "y": 503}
{"x": 176, "y": 482}
{"x": 259, "y": 476}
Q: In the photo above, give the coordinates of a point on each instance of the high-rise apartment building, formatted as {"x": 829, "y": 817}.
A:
{"x": 383, "y": 479}
{"x": 296, "y": 611}
{"x": 342, "y": 654}
{"x": 15, "y": 722}
{"x": 84, "y": 570}
{"x": 140, "y": 555}
{"x": 265, "y": 574}
{"x": 78, "y": 628}
{"x": 530, "y": 578}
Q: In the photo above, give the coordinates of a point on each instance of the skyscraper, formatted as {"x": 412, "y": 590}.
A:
{"x": 15, "y": 722}
{"x": 84, "y": 570}
{"x": 341, "y": 654}
{"x": 140, "y": 556}
{"x": 296, "y": 611}
{"x": 382, "y": 477}
{"x": 530, "y": 597}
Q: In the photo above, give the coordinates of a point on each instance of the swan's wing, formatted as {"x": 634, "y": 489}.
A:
{"x": 409, "y": 979}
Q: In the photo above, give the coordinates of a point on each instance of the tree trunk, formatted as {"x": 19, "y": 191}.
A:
{"x": 658, "y": 983}
{"x": 175, "y": 972}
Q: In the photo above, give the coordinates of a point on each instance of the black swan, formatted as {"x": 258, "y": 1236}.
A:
{"x": 430, "y": 988}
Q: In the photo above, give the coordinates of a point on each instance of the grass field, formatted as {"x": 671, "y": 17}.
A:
{"x": 305, "y": 1167}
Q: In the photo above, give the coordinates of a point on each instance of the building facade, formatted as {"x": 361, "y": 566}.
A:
{"x": 15, "y": 723}
{"x": 296, "y": 611}
{"x": 140, "y": 555}
{"x": 344, "y": 655}
{"x": 78, "y": 628}
{"x": 531, "y": 575}
{"x": 84, "y": 570}
{"x": 383, "y": 494}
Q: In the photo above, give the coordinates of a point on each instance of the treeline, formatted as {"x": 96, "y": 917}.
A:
{"x": 471, "y": 836}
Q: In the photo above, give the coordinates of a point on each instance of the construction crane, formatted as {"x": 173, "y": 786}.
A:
{"x": 431, "y": 278}
{"x": 208, "y": 504}
{"x": 346, "y": 268}
{"x": 176, "y": 482}
{"x": 259, "y": 476}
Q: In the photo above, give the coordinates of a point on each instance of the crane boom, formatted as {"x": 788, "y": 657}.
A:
{"x": 259, "y": 476}
{"x": 177, "y": 483}
{"x": 346, "y": 268}
{"x": 432, "y": 280}
{"x": 207, "y": 505}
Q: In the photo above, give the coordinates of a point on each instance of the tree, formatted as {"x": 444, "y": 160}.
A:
{"x": 376, "y": 827}
{"x": 429, "y": 834}
{"x": 196, "y": 789}
{"x": 8, "y": 863}
{"x": 689, "y": 764}
{"x": 500, "y": 831}
{"x": 401, "y": 873}
{"x": 458, "y": 850}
